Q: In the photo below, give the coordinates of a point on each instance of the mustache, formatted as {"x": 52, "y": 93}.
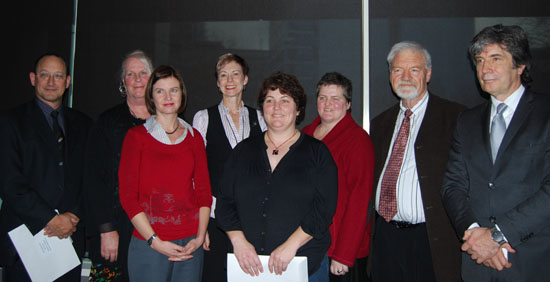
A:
{"x": 408, "y": 82}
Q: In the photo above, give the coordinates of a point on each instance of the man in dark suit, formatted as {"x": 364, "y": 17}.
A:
{"x": 497, "y": 185}
{"x": 42, "y": 147}
{"x": 413, "y": 239}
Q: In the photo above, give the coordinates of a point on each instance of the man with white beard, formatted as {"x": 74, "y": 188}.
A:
{"x": 413, "y": 239}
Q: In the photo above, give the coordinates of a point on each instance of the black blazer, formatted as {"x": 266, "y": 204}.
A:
{"x": 515, "y": 190}
{"x": 30, "y": 186}
{"x": 431, "y": 149}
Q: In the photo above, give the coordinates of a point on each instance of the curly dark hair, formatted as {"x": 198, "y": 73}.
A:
{"x": 161, "y": 72}
{"x": 512, "y": 39}
{"x": 287, "y": 84}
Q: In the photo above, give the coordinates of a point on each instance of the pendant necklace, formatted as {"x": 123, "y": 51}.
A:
{"x": 276, "y": 150}
{"x": 174, "y": 131}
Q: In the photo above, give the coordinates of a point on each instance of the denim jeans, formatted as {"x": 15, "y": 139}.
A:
{"x": 146, "y": 264}
{"x": 321, "y": 275}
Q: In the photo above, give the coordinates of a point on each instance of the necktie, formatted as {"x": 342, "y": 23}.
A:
{"x": 388, "y": 200}
{"x": 498, "y": 128}
{"x": 59, "y": 137}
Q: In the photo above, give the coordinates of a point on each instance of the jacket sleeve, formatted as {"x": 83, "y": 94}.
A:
{"x": 358, "y": 173}
{"x": 455, "y": 189}
{"x": 17, "y": 193}
{"x": 98, "y": 193}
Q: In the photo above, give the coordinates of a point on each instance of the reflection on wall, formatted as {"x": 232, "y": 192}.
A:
{"x": 240, "y": 35}
{"x": 537, "y": 29}
{"x": 304, "y": 48}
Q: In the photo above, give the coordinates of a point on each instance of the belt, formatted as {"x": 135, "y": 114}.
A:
{"x": 403, "y": 224}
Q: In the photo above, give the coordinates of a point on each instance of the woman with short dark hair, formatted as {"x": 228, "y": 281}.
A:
{"x": 278, "y": 191}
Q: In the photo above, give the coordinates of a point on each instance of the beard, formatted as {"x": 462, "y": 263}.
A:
{"x": 406, "y": 92}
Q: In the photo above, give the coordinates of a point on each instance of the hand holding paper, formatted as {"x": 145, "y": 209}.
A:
{"x": 296, "y": 271}
{"x": 245, "y": 253}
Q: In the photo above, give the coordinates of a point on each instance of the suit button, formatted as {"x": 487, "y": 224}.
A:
{"x": 60, "y": 164}
{"x": 492, "y": 219}
{"x": 264, "y": 215}
{"x": 262, "y": 250}
{"x": 491, "y": 185}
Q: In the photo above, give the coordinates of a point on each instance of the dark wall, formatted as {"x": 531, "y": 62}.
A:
{"x": 34, "y": 28}
{"x": 306, "y": 38}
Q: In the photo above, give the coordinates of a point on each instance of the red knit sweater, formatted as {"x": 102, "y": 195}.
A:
{"x": 167, "y": 182}
{"x": 353, "y": 152}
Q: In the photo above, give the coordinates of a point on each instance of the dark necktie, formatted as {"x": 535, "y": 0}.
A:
{"x": 498, "y": 128}
{"x": 388, "y": 200}
{"x": 59, "y": 137}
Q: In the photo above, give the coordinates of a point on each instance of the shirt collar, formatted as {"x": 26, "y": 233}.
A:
{"x": 511, "y": 102}
{"x": 225, "y": 109}
{"x": 152, "y": 125}
{"x": 420, "y": 105}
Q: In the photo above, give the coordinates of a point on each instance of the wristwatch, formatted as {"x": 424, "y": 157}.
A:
{"x": 150, "y": 240}
{"x": 498, "y": 236}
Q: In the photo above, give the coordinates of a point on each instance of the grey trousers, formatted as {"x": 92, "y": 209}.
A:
{"x": 146, "y": 264}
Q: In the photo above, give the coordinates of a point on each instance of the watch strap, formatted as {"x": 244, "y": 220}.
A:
{"x": 150, "y": 240}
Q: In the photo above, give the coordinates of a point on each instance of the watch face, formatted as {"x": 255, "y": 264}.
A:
{"x": 497, "y": 236}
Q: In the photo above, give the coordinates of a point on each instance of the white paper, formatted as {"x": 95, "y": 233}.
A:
{"x": 295, "y": 272}
{"x": 45, "y": 258}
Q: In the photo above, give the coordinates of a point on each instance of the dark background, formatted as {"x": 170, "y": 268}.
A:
{"x": 306, "y": 38}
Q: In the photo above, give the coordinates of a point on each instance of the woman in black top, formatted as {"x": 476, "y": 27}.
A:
{"x": 278, "y": 191}
{"x": 108, "y": 225}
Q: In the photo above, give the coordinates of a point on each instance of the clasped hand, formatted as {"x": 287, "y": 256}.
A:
{"x": 62, "y": 225}
{"x": 478, "y": 243}
{"x": 175, "y": 252}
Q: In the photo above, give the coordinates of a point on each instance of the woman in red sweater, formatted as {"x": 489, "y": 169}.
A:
{"x": 165, "y": 187}
{"x": 353, "y": 153}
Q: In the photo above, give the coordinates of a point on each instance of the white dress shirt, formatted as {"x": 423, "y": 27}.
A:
{"x": 409, "y": 199}
{"x": 511, "y": 102}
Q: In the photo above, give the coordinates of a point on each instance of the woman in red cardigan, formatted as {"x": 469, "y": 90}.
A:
{"x": 353, "y": 153}
{"x": 165, "y": 187}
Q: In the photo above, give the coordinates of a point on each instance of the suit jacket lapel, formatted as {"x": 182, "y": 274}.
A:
{"x": 523, "y": 109}
{"x": 43, "y": 129}
{"x": 485, "y": 127}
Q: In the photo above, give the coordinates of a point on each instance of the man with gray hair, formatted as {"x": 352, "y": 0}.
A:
{"x": 413, "y": 239}
{"x": 497, "y": 185}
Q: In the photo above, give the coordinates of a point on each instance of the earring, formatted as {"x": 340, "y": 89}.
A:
{"x": 122, "y": 89}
